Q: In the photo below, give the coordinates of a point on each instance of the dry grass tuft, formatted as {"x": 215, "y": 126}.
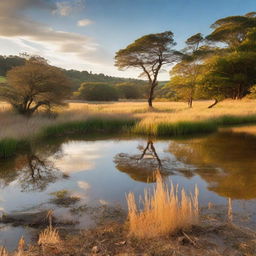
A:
{"x": 3, "y": 251}
{"x": 49, "y": 236}
{"x": 163, "y": 212}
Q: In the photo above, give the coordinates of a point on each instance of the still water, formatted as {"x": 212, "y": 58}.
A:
{"x": 101, "y": 171}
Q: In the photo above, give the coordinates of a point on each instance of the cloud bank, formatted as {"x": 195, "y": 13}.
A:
{"x": 16, "y": 25}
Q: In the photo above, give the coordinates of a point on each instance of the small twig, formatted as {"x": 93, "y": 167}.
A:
{"x": 190, "y": 239}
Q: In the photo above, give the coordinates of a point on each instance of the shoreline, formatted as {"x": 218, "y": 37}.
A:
{"x": 126, "y": 126}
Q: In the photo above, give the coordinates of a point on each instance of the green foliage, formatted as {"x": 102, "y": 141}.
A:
{"x": 9, "y": 147}
{"x": 9, "y": 62}
{"x": 226, "y": 71}
{"x": 76, "y": 77}
{"x": 185, "y": 73}
{"x": 79, "y": 77}
{"x": 97, "y": 92}
{"x": 229, "y": 76}
{"x": 132, "y": 90}
{"x": 232, "y": 30}
{"x": 2, "y": 79}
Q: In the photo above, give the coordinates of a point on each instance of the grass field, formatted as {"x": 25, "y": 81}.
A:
{"x": 167, "y": 118}
{"x": 2, "y": 79}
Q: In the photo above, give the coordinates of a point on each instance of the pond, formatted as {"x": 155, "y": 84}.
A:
{"x": 71, "y": 176}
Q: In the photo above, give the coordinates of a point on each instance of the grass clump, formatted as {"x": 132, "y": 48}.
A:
{"x": 174, "y": 129}
{"x": 163, "y": 212}
{"x": 93, "y": 125}
{"x": 49, "y": 236}
{"x": 8, "y": 147}
{"x": 63, "y": 198}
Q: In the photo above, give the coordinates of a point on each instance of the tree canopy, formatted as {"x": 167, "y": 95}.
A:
{"x": 35, "y": 85}
{"x": 148, "y": 53}
{"x": 226, "y": 69}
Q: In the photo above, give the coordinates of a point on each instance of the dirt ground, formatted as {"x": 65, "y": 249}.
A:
{"x": 208, "y": 238}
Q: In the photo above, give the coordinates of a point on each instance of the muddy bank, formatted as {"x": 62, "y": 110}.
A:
{"x": 113, "y": 239}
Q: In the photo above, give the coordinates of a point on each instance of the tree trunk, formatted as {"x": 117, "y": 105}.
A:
{"x": 190, "y": 102}
{"x": 215, "y": 102}
{"x": 150, "y": 96}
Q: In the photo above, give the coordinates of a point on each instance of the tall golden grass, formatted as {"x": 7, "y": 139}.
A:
{"x": 49, "y": 236}
{"x": 17, "y": 127}
{"x": 163, "y": 212}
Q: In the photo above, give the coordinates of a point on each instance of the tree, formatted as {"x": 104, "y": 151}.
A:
{"x": 185, "y": 73}
{"x": 94, "y": 91}
{"x": 232, "y": 30}
{"x": 35, "y": 85}
{"x": 148, "y": 53}
{"x": 231, "y": 72}
{"x": 229, "y": 76}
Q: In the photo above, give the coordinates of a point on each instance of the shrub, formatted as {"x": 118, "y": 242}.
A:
{"x": 97, "y": 92}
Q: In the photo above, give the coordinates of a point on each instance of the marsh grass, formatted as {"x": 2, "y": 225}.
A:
{"x": 49, "y": 236}
{"x": 9, "y": 146}
{"x": 92, "y": 125}
{"x": 166, "y": 119}
{"x": 163, "y": 212}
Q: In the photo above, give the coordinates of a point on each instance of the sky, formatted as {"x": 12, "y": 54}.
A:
{"x": 85, "y": 34}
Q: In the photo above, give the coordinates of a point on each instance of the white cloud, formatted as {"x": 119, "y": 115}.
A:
{"x": 84, "y": 22}
{"x": 22, "y": 29}
{"x": 84, "y": 185}
{"x": 66, "y": 8}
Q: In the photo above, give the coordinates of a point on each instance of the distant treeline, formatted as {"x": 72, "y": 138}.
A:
{"x": 89, "y": 86}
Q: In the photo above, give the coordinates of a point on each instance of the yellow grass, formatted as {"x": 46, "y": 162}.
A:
{"x": 16, "y": 126}
{"x": 163, "y": 212}
{"x": 49, "y": 236}
{"x": 3, "y": 251}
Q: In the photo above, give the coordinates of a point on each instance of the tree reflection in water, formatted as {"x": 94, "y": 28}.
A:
{"x": 142, "y": 167}
{"x": 31, "y": 171}
{"x": 38, "y": 173}
{"x": 226, "y": 161}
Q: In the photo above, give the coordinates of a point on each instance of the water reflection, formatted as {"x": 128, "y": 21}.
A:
{"x": 32, "y": 172}
{"x": 143, "y": 165}
{"x": 38, "y": 173}
{"x": 226, "y": 161}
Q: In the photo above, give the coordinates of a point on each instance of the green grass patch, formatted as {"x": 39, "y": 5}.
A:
{"x": 2, "y": 79}
{"x": 191, "y": 127}
{"x": 98, "y": 125}
{"x": 93, "y": 125}
{"x": 9, "y": 147}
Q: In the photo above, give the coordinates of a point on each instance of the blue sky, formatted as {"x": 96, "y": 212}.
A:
{"x": 85, "y": 34}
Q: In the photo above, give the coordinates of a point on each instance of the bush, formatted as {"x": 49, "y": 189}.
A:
{"x": 97, "y": 92}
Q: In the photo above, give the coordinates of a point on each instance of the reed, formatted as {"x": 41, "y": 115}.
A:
{"x": 49, "y": 236}
{"x": 163, "y": 211}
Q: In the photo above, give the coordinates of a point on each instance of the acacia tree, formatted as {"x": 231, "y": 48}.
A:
{"x": 148, "y": 53}
{"x": 231, "y": 72}
{"x": 185, "y": 73}
{"x": 35, "y": 85}
{"x": 232, "y": 30}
